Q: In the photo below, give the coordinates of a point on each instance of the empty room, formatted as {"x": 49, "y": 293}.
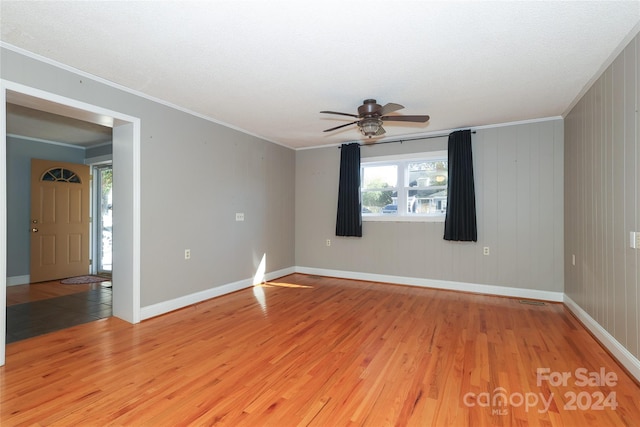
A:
{"x": 284, "y": 213}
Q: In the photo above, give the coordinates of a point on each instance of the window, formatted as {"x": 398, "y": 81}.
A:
{"x": 411, "y": 187}
{"x": 61, "y": 174}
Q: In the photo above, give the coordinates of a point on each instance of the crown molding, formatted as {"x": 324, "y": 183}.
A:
{"x": 118, "y": 86}
{"x": 48, "y": 141}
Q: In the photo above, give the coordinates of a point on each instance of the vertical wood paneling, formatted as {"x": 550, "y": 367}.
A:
{"x": 570, "y": 202}
{"x": 429, "y": 249}
{"x": 600, "y": 188}
{"x": 551, "y": 202}
{"x": 508, "y": 211}
{"x": 594, "y": 193}
{"x": 479, "y": 183}
{"x": 569, "y": 234}
{"x": 557, "y": 219}
{"x": 631, "y": 183}
{"x": 608, "y": 142}
{"x": 619, "y": 306}
{"x": 601, "y": 191}
{"x": 523, "y": 204}
{"x": 540, "y": 200}
{"x": 598, "y": 205}
{"x": 487, "y": 149}
{"x": 637, "y": 179}
{"x": 580, "y": 203}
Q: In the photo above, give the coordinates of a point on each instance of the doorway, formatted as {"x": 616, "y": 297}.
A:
{"x": 126, "y": 195}
{"x": 61, "y": 294}
{"x": 59, "y": 220}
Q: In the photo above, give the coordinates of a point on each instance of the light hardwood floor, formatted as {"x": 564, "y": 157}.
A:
{"x": 20, "y": 294}
{"x": 307, "y": 350}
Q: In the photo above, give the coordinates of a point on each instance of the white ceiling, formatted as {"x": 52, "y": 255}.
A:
{"x": 269, "y": 68}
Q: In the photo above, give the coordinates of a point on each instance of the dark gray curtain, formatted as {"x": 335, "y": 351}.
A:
{"x": 460, "y": 223}
{"x": 349, "y": 220}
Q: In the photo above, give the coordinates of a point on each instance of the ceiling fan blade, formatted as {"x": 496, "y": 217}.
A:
{"x": 390, "y": 108}
{"x": 381, "y": 131}
{"x": 342, "y": 114}
{"x": 406, "y": 118}
{"x": 341, "y": 126}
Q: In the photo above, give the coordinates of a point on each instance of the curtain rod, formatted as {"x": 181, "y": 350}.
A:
{"x": 407, "y": 139}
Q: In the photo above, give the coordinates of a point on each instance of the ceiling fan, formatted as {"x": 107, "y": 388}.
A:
{"x": 371, "y": 115}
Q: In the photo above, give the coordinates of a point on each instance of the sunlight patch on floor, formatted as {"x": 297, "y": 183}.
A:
{"x": 283, "y": 285}
{"x": 259, "y": 283}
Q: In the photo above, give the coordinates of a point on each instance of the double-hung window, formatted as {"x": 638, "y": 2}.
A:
{"x": 407, "y": 187}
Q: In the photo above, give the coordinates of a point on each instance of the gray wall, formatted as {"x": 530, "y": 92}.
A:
{"x": 195, "y": 175}
{"x": 105, "y": 150}
{"x": 602, "y": 196}
{"x": 519, "y": 196}
{"x": 19, "y": 154}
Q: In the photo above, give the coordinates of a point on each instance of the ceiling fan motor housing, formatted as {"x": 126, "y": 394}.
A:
{"x": 369, "y": 108}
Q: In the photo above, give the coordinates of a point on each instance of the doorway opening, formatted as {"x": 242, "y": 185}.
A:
{"x": 126, "y": 194}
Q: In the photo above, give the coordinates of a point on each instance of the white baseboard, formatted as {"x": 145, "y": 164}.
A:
{"x": 626, "y": 359}
{"x": 175, "y": 304}
{"x": 439, "y": 284}
{"x": 18, "y": 280}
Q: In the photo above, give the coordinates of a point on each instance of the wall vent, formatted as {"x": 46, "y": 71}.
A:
{"x": 531, "y": 302}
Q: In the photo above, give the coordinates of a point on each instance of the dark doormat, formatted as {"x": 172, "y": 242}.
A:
{"x": 84, "y": 279}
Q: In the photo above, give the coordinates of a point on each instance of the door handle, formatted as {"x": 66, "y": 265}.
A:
{"x": 35, "y": 230}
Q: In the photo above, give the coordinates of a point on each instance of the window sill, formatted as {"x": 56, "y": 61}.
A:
{"x": 403, "y": 218}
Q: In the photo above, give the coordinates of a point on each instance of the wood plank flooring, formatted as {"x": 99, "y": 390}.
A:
{"x": 20, "y": 294}
{"x": 307, "y": 350}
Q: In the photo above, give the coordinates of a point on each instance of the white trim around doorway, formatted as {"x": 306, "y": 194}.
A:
{"x": 126, "y": 155}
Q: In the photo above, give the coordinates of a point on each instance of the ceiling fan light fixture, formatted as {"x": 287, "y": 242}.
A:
{"x": 372, "y": 115}
{"x": 370, "y": 126}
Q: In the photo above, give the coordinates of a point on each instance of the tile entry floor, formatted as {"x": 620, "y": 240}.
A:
{"x": 33, "y": 318}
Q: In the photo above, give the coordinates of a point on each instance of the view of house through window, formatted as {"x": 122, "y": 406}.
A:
{"x": 104, "y": 176}
{"x": 413, "y": 186}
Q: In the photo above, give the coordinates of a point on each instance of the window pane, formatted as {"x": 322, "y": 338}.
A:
{"x": 428, "y": 173}
{"x": 427, "y": 190}
{"x": 427, "y": 201}
{"x": 104, "y": 175}
{"x": 377, "y": 202}
{"x": 57, "y": 173}
{"x": 378, "y": 177}
{"x": 379, "y": 190}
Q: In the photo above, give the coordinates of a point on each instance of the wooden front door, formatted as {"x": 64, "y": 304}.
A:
{"x": 59, "y": 220}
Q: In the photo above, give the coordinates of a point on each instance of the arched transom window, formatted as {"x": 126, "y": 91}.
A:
{"x": 61, "y": 174}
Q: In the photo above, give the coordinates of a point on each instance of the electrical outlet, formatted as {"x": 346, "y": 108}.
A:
{"x": 634, "y": 239}
{"x": 187, "y": 254}
{"x": 328, "y": 242}
{"x": 485, "y": 250}
{"x": 239, "y": 216}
